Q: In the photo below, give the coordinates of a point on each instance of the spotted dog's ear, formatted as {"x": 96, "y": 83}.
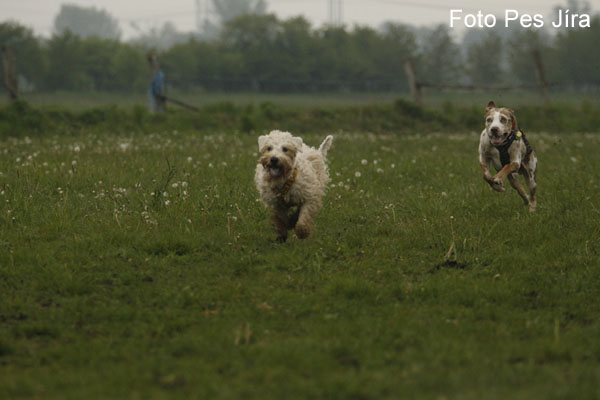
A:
{"x": 513, "y": 118}
{"x": 262, "y": 141}
{"x": 297, "y": 142}
{"x": 491, "y": 105}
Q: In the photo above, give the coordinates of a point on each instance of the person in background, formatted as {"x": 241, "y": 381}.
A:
{"x": 156, "y": 92}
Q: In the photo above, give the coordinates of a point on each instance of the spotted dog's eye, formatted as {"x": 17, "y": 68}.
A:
{"x": 503, "y": 120}
{"x": 489, "y": 120}
{"x": 284, "y": 149}
{"x": 269, "y": 148}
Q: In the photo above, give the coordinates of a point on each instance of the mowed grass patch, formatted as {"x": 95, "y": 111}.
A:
{"x": 144, "y": 266}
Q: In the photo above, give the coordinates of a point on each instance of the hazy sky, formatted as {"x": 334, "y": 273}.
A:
{"x": 39, "y": 14}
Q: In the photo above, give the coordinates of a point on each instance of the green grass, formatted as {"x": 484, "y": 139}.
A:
{"x": 432, "y": 98}
{"x": 400, "y": 117}
{"x": 106, "y": 291}
{"x": 83, "y": 101}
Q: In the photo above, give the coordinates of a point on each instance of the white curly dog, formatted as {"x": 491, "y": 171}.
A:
{"x": 291, "y": 178}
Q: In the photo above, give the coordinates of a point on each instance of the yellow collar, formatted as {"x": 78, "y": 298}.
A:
{"x": 288, "y": 184}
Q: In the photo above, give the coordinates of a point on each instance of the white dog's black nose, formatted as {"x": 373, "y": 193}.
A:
{"x": 494, "y": 130}
{"x": 274, "y": 160}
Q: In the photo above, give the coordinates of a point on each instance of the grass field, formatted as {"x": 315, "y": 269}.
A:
{"x": 432, "y": 98}
{"x": 142, "y": 266}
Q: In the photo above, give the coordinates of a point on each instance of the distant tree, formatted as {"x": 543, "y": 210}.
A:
{"x": 485, "y": 60}
{"x": 399, "y": 43}
{"x": 253, "y": 37}
{"x": 86, "y": 22}
{"x": 230, "y": 9}
{"x": 227, "y": 10}
{"x": 520, "y": 48}
{"x": 576, "y": 58}
{"x": 28, "y": 54}
{"x": 574, "y": 7}
{"x": 440, "y": 57}
{"x": 66, "y": 63}
{"x": 161, "y": 38}
{"x": 293, "y": 51}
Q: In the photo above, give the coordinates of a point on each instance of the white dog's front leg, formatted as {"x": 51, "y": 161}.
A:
{"x": 279, "y": 220}
{"x": 304, "y": 226}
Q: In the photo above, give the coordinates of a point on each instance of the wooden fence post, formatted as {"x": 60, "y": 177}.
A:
{"x": 541, "y": 76}
{"x": 413, "y": 83}
{"x": 10, "y": 72}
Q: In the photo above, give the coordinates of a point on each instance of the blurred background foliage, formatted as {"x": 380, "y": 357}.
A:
{"x": 246, "y": 49}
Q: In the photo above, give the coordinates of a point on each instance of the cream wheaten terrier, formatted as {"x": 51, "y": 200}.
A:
{"x": 291, "y": 178}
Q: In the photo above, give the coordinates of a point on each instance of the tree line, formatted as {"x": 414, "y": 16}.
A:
{"x": 265, "y": 53}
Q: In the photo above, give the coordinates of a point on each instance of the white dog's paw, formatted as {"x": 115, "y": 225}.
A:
{"x": 302, "y": 230}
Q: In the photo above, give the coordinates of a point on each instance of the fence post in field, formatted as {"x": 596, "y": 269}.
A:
{"x": 10, "y": 72}
{"x": 541, "y": 76}
{"x": 413, "y": 83}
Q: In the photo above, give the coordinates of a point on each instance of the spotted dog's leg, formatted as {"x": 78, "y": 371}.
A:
{"x": 530, "y": 175}
{"x": 506, "y": 171}
{"x": 498, "y": 187}
{"x": 514, "y": 182}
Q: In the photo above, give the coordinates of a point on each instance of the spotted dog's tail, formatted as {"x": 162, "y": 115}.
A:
{"x": 324, "y": 147}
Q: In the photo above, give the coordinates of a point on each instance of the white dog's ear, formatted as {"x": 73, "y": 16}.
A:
{"x": 262, "y": 140}
{"x": 491, "y": 104}
{"x": 297, "y": 142}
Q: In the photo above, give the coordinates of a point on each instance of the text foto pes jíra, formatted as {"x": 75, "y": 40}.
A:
{"x": 564, "y": 19}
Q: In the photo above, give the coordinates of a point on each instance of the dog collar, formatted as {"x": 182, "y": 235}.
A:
{"x": 287, "y": 185}
{"x": 515, "y": 134}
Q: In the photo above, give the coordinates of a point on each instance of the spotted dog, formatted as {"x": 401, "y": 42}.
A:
{"x": 505, "y": 146}
{"x": 291, "y": 179}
